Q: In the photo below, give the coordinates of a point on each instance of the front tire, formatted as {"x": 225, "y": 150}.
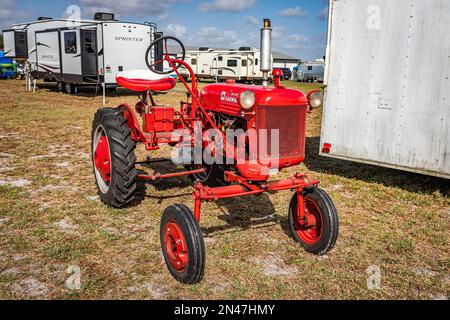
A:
{"x": 113, "y": 158}
{"x": 320, "y": 238}
{"x": 182, "y": 244}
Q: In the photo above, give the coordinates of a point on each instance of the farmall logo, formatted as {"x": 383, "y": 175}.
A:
{"x": 131, "y": 39}
{"x": 233, "y": 97}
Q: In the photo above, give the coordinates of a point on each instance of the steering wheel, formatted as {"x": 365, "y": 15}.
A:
{"x": 162, "y": 43}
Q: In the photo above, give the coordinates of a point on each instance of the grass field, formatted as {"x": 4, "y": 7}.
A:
{"x": 51, "y": 221}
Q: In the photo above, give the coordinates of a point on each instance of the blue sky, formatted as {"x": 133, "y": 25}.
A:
{"x": 300, "y": 26}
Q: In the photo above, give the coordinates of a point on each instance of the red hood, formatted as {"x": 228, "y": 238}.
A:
{"x": 225, "y": 97}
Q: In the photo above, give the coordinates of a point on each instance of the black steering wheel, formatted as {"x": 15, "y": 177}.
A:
{"x": 160, "y": 50}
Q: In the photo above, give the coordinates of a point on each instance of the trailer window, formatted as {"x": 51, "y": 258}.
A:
{"x": 89, "y": 42}
{"x": 310, "y": 68}
{"x": 232, "y": 63}
{"x": 244, "y": 63}
{"x": 193, "y": 62}
{"x": 220, "y": 58}
{"x": 256, "y": 61}
{"x": 70, "y": 42}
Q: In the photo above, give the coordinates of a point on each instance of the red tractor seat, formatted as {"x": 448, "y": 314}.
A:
{"x": 144, "y": 80}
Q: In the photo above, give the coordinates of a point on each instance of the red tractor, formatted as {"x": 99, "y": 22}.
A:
{"x": 272, "y": 119}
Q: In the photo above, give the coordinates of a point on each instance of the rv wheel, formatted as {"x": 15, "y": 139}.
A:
{"x": 61, "y": 86}
{"x": 71, "y": 88}
{"x": 182, "y": 244}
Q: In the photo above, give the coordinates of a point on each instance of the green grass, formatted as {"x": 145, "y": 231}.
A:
{"x": 396, "y": 220}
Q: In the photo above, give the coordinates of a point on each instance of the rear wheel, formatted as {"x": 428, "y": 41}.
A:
{"x": 71, "y": 88}
{"x": 319, "y": 233}
{"x": 61, "y": 86}
{"x": 182, "y": 244}
{"x": 113, "y": 158}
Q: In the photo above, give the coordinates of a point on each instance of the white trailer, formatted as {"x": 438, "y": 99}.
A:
{"x": 77, "y": 52}
{"x": 201, "y": 62}
{"x": 312, "y": 71}
{"x": 387, "y": 84}
{"x": 240, "y": 65}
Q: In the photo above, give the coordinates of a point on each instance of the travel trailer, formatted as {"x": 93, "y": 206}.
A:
{"x": 241, "y": 65}
{"x": 312, "y": 71}
{"x": 77, "y": 52}
{"x": 201, "y": 62}
{"x": 387, "y": 84}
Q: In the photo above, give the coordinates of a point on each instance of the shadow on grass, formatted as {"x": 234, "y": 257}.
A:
{"x": 243, "y": 213}
{"x": 412, "y": 182}
{"x": 239, "y": 213}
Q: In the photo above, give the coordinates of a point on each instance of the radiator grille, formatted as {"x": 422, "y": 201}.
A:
{"x": 291, "y": 123}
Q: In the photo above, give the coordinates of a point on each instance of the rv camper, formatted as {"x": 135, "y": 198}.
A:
{"x": 387, "y": 84}
{"x": 310, "y": 71}
{"x": 76, "y": 52}
{"x": 201, "y": 61}
{"x": 241, "y": 65}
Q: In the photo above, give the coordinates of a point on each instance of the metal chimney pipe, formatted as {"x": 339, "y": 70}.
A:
{"x": 266, "y": 51}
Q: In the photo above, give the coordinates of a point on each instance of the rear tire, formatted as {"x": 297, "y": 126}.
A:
{"x": 118, "y": 188}
{"x": 182, "y": 244}
{"x": 61, "y": 86}
{"x": 321, "y": 238}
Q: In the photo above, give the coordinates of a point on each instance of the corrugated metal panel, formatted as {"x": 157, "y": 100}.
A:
{"x": 388, "y": 93}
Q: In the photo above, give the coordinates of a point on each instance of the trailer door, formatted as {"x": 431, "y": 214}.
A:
{"x": 89, "y": 52}
{"x": 47, "y": 53}
{"x": 9, "y": 43}
{"x": 71, "y": 56}
{"x": 21, "y": 43}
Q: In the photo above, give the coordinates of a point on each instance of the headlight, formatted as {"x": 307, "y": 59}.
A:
{"x": 247, "y": 100}
{"x": 315, "y": 99}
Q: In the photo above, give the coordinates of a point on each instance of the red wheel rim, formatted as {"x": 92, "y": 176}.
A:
{"x": 102, "y": 159}
{"x": 176, "y": 247}
{"x": 310, "y": 234}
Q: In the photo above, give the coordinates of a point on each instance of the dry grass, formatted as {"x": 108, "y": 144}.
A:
{"x": 50, "y": 219}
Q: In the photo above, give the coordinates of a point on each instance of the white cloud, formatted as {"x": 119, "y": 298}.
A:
{"x": 298, "y": 38}
{"x": 214, "y": 36}
{"x": 294, "y": 41}
{"x": 293, "y": 12}
{"x": 227, "y": 5}
{"x": 6, "y": 9}
{"x": 10, "y": 14}
{"x": 176, "y": 30}
{"x": 278, "y": 32}
{"x": 252, "y": 21}
{"x": 136, "y": 8}
{"x": 323, "y": 14}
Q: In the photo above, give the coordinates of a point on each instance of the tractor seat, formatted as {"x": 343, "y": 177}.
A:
{"x": 144, "y": 80}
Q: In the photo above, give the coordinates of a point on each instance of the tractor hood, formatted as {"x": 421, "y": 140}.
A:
{"x": 225, "y": 97}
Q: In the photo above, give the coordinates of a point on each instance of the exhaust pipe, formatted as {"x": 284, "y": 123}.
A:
{"x": 266, "y": 51}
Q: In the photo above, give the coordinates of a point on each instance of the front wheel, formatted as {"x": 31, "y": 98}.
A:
{"x": 182, "y": 244}
{"x": 318, "y": 232}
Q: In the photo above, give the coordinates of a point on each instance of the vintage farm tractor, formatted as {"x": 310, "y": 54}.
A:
{"x": 268, "y": 126}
